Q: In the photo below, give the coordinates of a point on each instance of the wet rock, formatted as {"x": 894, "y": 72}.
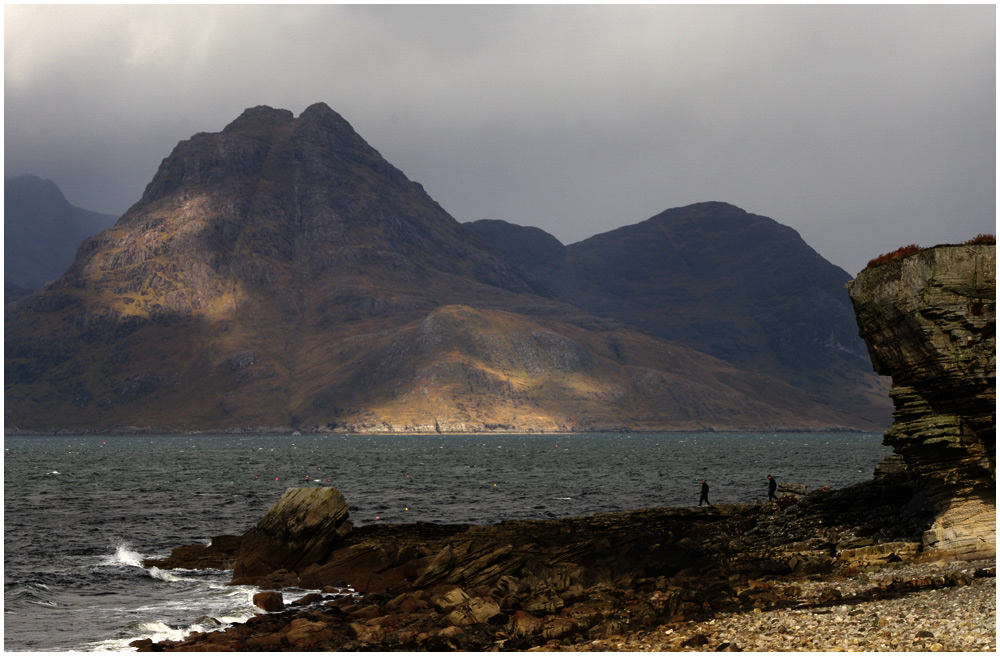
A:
{"x": 277, "y": 580}
{"x": 524, "y": 624}
{"x": 303, "y": 634}
{"x": 299, "y": 530}
{"x": 450, "y": 599}
{"x": 450, "y": 633}
{"x": 308, "y": 600}
{"x": 697, "y": 640}
{"x": 407, "y": 603}
{"x": 220, "y": 553}
{"x": 891, "y": 464}
{"x": 267, "y": 642}
{"x": 794, "y": 489}
{"x": 269, "y": 601}
{"x": 474, "y": 611}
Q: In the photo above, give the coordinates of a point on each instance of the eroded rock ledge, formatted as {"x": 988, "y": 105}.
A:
{"x": 930, "y": 322}
{"x": 523, "y": 584}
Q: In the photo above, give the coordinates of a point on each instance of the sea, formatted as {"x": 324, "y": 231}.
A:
{"x": 82, "y": 513}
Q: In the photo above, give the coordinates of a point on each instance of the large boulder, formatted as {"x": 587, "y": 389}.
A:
{"x": 929, "y": 320}
{"x": 300, "y": 530}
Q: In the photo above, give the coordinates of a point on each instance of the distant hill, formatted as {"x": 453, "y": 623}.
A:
{"x": 13, "y": 293}
{"x": 281, "y": 275}
{"x": 42, "y": 231}
{"x": 715, "y": 278}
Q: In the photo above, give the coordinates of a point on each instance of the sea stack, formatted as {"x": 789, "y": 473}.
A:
{"x": 929, "y": 320}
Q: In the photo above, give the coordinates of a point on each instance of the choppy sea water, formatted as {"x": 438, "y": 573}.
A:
{"x": 81, "y": 513}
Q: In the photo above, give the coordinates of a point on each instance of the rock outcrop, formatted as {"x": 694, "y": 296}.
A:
{"x": 298, "y": 531}
{"x": 519, "y": 585}
{"x": 929, "y": 320}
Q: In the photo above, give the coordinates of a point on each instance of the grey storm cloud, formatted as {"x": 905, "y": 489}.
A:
{"x": 862, "y": 127}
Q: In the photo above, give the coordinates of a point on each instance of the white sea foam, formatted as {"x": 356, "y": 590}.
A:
{"x": 124, "y": 555}
{"x": 158, "y": 573}
{"x": 158, "y": 631}
{"x": 155, "y": 631}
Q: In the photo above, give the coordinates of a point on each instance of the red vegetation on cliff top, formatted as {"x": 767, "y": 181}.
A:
{"x": 910, "y": 249}
{"x": 900, "y": 252}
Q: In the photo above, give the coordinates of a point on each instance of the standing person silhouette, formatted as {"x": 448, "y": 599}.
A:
{"x": 704, "y": 493}
{"x": 772, "y": 486}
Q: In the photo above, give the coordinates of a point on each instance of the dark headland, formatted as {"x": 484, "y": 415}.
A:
{"x": 903, "y": 562}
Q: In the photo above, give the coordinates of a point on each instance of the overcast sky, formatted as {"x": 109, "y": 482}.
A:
{"x": 864, "y": 128}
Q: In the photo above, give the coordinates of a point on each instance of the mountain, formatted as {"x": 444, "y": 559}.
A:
{"x": 42, "y": 231}
{"x": 280, "y": 274}
{"x": 738, "y": 286}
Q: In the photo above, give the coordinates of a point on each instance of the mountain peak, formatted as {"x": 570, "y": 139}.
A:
{"x": 320, "y": 109}
{"x": 42, "y": 230}
{"x": 278, "y": 206}
{"x": 29, "y": 185}
{"x": 260, "y": 116}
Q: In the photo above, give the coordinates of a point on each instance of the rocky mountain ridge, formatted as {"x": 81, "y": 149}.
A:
{"x": 281, "y": 275}
{"x": 738, "y": 286}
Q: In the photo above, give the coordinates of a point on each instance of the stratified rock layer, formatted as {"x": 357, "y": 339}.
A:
{"x": 299, "y": 530}
{"x": 930, "y": 322}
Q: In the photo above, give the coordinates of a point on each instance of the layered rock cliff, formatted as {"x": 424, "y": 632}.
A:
{"x": 929, "y": 321}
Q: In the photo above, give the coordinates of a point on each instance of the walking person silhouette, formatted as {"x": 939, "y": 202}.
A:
{"x": 704, "y": 493}
{"x": 772, "y": 486}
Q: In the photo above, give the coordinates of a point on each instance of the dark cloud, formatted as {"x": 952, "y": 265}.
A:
{"x": 862, "y": 127}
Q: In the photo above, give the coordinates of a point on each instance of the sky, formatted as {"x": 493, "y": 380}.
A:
{"x": 864, "y": 128}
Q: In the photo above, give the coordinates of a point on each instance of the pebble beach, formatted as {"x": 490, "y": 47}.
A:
{"x": 950, "y": 619}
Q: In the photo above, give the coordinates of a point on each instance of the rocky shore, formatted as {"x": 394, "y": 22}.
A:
{"x": 727, "y": 577}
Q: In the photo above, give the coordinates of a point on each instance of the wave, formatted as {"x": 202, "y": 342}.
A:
{"x": 37, "y": 594}
{"x": 123, "y": 555}
{"x": 158, "y": 630}
{"x": 155, "y": 631}
{"x": 170, "y": 577}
